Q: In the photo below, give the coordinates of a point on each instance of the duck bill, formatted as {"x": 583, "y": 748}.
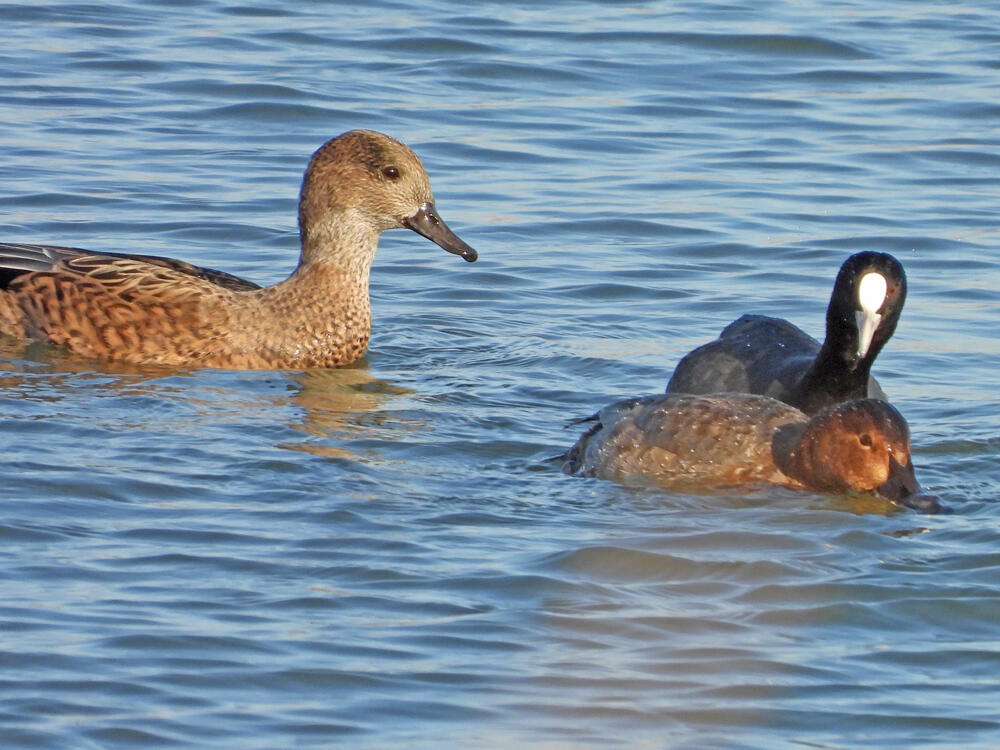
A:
{"x": 426, "y": 222}
{"x": 902, "y": 487}
{"x": 867, "y": 321}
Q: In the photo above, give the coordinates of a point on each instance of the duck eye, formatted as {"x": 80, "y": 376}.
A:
{"x": 390, "y": 172}
{"x": 865, "y": 440}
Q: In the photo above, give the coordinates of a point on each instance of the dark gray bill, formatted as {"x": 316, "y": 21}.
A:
{"x": 427, "y": 222}
{"x": 925, "y": 503}
{"x": 902, "y": 487}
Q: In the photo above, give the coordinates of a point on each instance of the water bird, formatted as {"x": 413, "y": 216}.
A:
{"x": 770, "y": 356}
{"x": 707, "y": 442}
{"x": 152, "y": 310}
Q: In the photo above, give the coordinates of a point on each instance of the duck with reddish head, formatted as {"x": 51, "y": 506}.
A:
{"x": 711, "y": 442}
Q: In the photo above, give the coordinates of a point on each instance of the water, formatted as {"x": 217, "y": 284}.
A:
{"x": 380, "y": 556}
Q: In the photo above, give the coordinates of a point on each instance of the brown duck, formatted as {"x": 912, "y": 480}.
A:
{"x": 147, "y": 309}
{"x": 706, "y": 442}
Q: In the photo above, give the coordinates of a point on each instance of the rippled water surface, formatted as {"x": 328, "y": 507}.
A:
{"x": 381, "y": 556}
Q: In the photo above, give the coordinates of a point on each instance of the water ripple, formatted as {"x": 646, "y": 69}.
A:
{"x": 383, "y": 555}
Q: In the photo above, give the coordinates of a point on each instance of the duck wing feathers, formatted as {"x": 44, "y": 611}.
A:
{"x": 17, "y": 259}
{"x": 754, "y": 354}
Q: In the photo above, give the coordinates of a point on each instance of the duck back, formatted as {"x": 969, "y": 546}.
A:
{"x": 679, "y": 440}
{"x": 754, "y": 354}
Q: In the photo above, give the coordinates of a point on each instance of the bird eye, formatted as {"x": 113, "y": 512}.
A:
{"x": 390, "y": 172}
{"x": 865, "y": 440}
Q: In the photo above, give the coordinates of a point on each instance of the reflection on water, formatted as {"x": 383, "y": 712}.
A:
{"x": 340, "y": 405}
{"x": 332, "y": 407}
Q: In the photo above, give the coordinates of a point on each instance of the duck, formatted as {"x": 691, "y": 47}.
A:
{"x": 152, "y": 310}
{"x": 772, "y": 357}
{"x": 710, "y": 442}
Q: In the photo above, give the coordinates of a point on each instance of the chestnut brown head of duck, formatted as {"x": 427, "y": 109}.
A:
{"x": 857, "y": 446}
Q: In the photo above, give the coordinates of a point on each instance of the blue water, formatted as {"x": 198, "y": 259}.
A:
{"x": 380, "y": 556}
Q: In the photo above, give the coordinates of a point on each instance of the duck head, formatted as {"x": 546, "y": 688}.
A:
{"x": 366, "y": 183}
{"x": 860, "y": 446}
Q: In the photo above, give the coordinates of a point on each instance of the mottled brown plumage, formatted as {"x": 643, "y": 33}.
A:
{"x": 692, "y": 441}
{"x": 145, "y": 309}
